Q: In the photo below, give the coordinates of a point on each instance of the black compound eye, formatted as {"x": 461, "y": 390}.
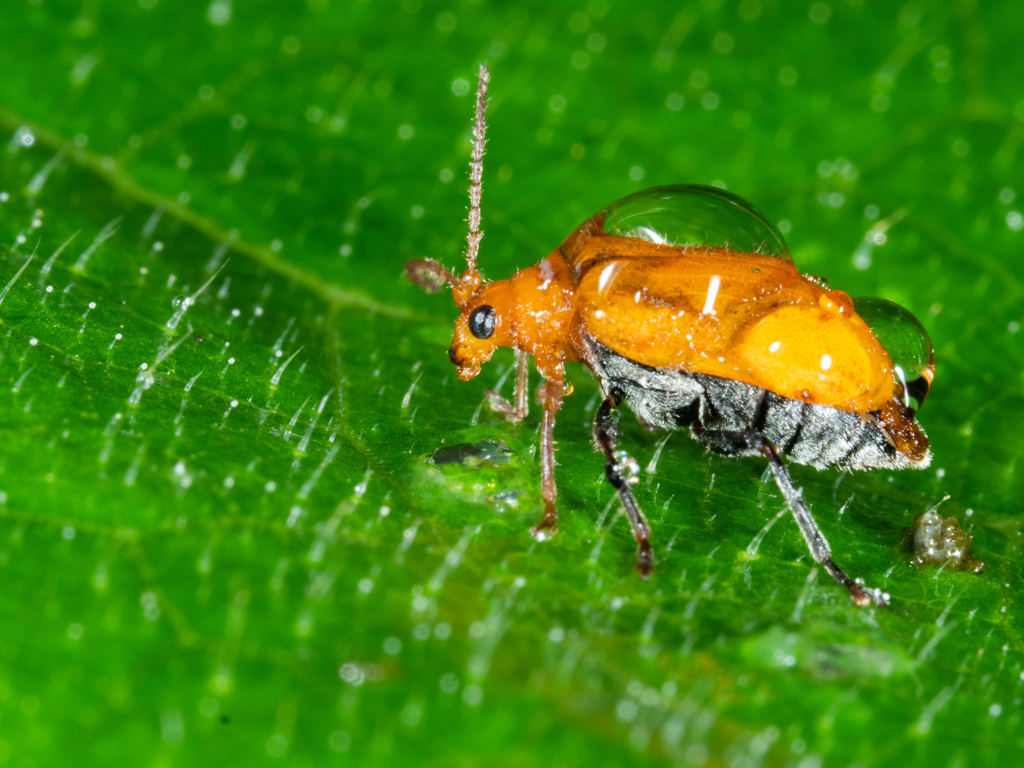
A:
{"x": 482, "y": 321}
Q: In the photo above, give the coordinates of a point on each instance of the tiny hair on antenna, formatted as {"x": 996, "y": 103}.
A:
{"x": 476, "y": 169}
{"x": 431, "y": 274}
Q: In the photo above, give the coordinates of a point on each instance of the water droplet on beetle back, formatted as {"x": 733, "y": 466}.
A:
{"x": 695, "y": 216}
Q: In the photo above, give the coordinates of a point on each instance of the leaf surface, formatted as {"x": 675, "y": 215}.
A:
{"x": 248, "y": 513}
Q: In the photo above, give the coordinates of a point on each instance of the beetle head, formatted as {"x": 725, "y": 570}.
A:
{"x": 483, "y": 326}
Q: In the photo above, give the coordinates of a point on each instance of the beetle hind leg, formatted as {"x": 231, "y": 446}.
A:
{"x": 622, "y": 472}
{"x": 752, "y": 443}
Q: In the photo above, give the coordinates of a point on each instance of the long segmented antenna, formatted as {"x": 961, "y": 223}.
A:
{"x": 476, "y": 168}
{"x": 431, "y": 274}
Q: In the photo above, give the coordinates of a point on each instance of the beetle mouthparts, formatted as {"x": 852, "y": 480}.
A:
{"x": 467, "y": 372}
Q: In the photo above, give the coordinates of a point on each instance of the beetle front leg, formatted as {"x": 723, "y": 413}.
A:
{"x": 550, "y": 396}
{"x": 519, "y": 411}
{"x": 747, "y": 443}
{"x": 605, "y": 437}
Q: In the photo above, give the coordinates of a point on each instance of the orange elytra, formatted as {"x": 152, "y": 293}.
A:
{"x": 685, "y": 304}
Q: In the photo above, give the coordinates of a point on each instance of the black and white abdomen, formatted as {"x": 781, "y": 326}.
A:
{"x": 816, "y": 435}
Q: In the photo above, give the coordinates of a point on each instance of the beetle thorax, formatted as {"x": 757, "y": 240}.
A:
{"x": 541, "y": 310}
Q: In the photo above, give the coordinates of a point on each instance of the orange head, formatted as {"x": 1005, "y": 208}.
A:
{"x": 484, "y": 324}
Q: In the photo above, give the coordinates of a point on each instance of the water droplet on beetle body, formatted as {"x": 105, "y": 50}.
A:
{"x": 907, "y": 343}
{"x": 696, "y": 216}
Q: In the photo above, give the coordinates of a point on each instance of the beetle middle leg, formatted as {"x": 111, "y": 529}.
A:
{"x": 605, "y": 437}
{"x": 519, "y": 411}
{"x": 751, "y": 443}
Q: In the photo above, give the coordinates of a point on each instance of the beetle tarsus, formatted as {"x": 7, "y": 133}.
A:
{"x": 548, "y": 526}
{"x": 644, "y": 559}
{"x": 499, "y": 404}
{"x": 865, "y": 596}
{"x": 860, "y": 594}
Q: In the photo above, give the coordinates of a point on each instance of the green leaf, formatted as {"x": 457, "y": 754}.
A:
{"x": 250, "y": 516}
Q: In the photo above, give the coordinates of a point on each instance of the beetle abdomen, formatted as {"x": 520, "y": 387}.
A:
{"x": 816, "y": 435}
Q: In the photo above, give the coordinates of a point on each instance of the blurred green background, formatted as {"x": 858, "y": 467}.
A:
{"x": 223, "y": 539}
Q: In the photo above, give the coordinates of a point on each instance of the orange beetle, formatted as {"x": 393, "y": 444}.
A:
{"x": 684, "y": 302}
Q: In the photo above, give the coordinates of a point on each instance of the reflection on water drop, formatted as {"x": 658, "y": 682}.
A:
{"x": 485, "y": 471}
{"x": 472, "y": 454}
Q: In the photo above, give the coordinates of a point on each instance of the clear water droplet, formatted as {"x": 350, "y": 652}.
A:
{"x": 907, "y": 343}
{"x": 694, "y": 215}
